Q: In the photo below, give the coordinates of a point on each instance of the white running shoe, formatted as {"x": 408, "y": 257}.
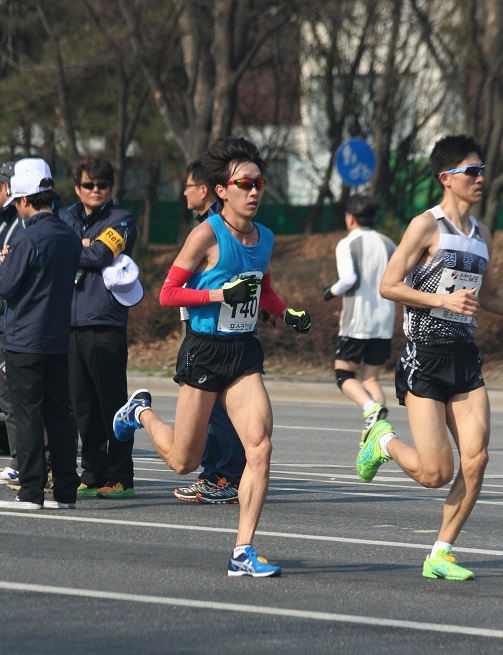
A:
{"x": 55, "y": 504}
{"x": 8, "y": 475}
{"x": 17, "y": 503}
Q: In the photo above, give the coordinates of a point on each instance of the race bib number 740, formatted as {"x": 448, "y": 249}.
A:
{"x": 241, "y": 317}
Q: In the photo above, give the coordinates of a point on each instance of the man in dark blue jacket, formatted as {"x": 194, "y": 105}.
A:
{"x": 9, "y": 224}
{"x": 36, "y": 280}
{"x": 98, "y": 347}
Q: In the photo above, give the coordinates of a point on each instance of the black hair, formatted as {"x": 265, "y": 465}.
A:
{"x": 363, "y": 208}
{"x": 96, "y": 168}
{"x": 451, "y": 151}
{"x": 41, "y": 200}
{"x": 199, "y": 173}
{"x": 225, "y": 152}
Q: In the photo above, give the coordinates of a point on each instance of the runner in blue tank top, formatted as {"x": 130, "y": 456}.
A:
{"x": 224, "y": 264}
{"x": 442, "y": 274}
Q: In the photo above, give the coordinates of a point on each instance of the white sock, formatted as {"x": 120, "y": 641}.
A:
{"x": 368, "y": 405}
{"x": 239, "y": 550}
{"x": 384, "y": 441}
{"x": 137, "y": 413}
{"x": 439, "y": 545}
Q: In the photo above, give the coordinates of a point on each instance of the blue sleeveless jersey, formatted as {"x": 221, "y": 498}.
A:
{"x": 234, "y": 260}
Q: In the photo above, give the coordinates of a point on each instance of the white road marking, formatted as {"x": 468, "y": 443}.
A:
{"x": 95, "y": 594}
{"x": 204, "y": 528}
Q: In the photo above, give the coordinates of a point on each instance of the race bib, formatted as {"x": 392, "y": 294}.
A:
{"x": 452, "y": 280}
{"x": 242, "y": 317}
{"x": 113, "y": 240}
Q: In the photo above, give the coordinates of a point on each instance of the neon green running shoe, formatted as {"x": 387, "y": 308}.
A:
{"x": 84, "y": 490}
{"x": 371, "y": 456}
{"x": 443, "y": 565}
{"x": 115, "y": 490}
{"x": 377, "y": 413}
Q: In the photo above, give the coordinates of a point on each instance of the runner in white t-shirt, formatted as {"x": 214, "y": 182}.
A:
{"x": 367, "y": 319}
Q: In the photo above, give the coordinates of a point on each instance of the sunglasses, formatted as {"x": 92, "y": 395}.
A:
{"x": 248, "y": 183}
{"x": 471, "y": 170}
{"x": 101, "y": 184}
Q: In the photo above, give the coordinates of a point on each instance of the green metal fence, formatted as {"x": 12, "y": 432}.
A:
{"x": 281, "y": 219}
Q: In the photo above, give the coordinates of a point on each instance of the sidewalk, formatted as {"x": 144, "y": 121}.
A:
{"x": 292, "y": 390}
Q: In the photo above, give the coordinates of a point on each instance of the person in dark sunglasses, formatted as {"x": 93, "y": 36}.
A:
{"x": 98, "y": 344}
{"x": 224, "y": 264}
{"x": 442, "y": 273}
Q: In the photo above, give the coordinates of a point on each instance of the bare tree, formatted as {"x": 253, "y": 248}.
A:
{"x": 218, "y": 42}
{"x": 489, "y": 107}
{"x": 64, "y": 108}
{"x": 466, "y": 39}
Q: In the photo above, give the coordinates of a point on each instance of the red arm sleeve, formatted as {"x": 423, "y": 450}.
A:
{"x": 269, "y": 299}
{"x": 174, "y": 294}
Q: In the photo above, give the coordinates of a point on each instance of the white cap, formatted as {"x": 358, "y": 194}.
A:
{"x": 121, "y": 278}
{"x": 30, "y": 176}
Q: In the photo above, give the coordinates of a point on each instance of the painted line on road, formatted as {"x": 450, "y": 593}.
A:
{"x": 315, "y": 429}
{"x": 204, "y": 528}
{"x": 95, "y": 594}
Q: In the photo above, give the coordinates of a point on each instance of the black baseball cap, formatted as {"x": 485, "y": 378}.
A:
{"x": 6, "y": 172}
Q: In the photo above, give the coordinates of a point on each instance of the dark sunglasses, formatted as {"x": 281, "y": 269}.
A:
{"x": 248, "y": 183}
{"x": 101, "y": 184}
{"x": 471, "y": 170}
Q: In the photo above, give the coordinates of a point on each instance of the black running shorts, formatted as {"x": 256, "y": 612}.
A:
{"x": 438, "y": 372}
{"x": 373, "y": 352}
{"x": 211, "y": 362}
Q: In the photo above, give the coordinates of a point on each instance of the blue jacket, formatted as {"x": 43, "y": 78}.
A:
{"x": 37, "y": 281}
{"x": 109, "y": 228}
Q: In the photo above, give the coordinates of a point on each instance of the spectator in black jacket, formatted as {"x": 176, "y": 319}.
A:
{"x": 9, "y": 224}
{"x": 98, "y": 347}
{"x": 37, "y": 279}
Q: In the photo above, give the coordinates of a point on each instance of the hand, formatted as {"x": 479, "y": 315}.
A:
{"x": 300, "y": 321}
{"x": 241, "y": 290}
{"x": 463, "y": 301}
{"x": 327, "y": 293}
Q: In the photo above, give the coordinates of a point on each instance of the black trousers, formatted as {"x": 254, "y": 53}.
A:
{"x": 38, "y": 386}
{"x": 6, "y": 405}
{"x": 98, "y": 388}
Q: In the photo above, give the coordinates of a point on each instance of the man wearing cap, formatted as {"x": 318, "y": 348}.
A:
{"x": 9, "y": 224}
{"x": 36, "y": 280}
{"x": 98, "y": 347}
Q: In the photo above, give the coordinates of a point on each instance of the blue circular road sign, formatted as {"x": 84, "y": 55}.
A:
{"x": 355, "y": 162}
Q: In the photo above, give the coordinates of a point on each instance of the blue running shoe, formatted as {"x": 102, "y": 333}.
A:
{"x": 125, "y": 422}
{"x": 249, "y": 563}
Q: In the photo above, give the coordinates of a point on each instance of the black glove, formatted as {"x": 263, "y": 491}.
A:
{"x": 327, "y": 293}
{"x": 241, "y": 290}
{"x": 300, "y": 321}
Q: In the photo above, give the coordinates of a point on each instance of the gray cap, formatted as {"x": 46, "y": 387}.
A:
{"x": 6, "y": 172}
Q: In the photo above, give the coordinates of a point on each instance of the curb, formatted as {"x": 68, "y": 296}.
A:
{"x": 291, "y": 390}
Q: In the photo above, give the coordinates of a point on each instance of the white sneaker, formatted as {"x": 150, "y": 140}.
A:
{"x": 8, "y": 475}
{"x": 55, "y": 504}
{"x": 17, "y": 503}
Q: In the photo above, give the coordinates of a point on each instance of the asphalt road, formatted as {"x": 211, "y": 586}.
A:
{"x": 148, "y": 575}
